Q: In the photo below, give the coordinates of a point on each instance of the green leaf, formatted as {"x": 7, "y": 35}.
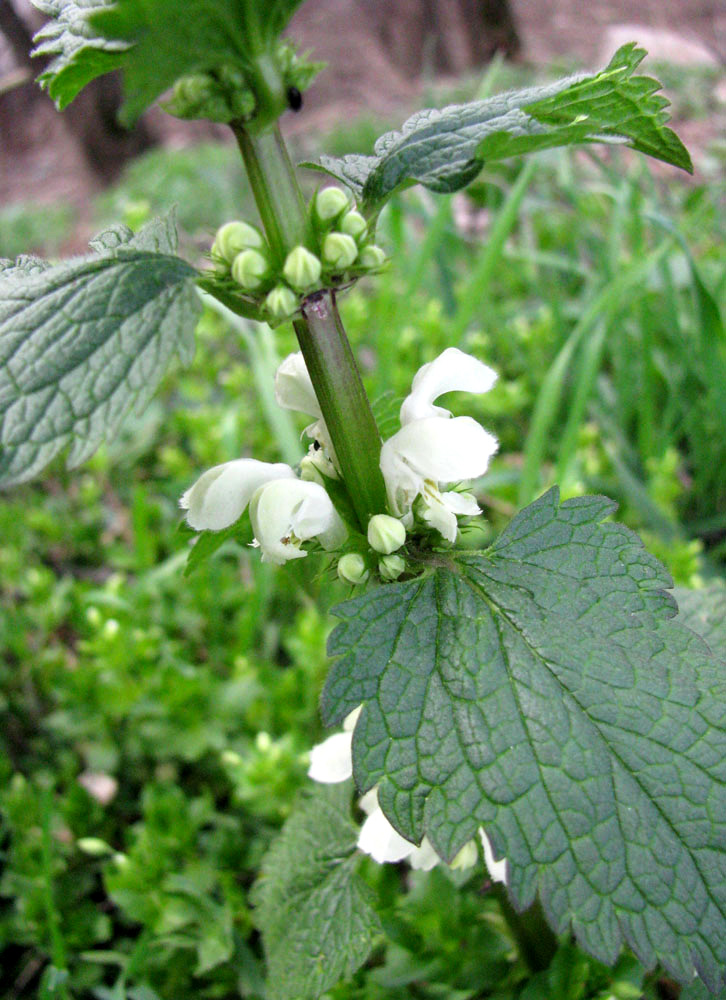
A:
{"x": 312, "y": 908}
{"x": 83, "y": 341}
{"x": 78, "y": 54}
{"x": 445, "y": 150}
{"x": 155, "y": 42}
{"x": 543, "y": 690}
{"x": 704, "y": 611}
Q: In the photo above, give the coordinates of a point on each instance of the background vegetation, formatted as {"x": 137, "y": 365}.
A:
{"x": 155, "y": 725}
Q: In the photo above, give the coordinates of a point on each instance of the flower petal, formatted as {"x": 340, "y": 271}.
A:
{"x": 497, "y": 869}
{"x": 331, "y": 761}
{"x": 424, "y": 858}
{"x": 220, "y": 495}
{"x": 289, "y": 512}
{"x": 445, "y": 451}
{"x": 378, "y": 838}
{"x": 452, "y": 370}
{"x": 294, "y": 388}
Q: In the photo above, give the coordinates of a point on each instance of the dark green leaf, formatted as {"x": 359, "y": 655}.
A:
{"x": 83, "y": 341}
{"x": 314, "y": 911}
{"x": 155, "y": 42}
{"x": 445, "y": 150}
{"x": 543, "y": 690}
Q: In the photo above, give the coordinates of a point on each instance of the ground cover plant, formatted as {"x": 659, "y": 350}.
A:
{"x": 528, "y": 696}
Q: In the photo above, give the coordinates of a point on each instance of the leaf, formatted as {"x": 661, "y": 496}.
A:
{"x": 83, "y": 341}
{"x": 155, "y": 42}
{"x": 314, "y": 911}
{"x": 445, "y": 150}
{"x": 543, "y": 690}
{"x": 704, "y": 611}
{"x": 78, "y": 54}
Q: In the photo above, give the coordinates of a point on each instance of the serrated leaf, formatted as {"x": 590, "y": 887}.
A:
{"x": 704, "y": 611}
{"x": 543, "y": 690}
{"x": 78, "y": 54}
{"x": 314, "y": 911}
{"x": 445, "y": 150}
{"x": 155, "y": 42}
{"x": 83, "y": 341}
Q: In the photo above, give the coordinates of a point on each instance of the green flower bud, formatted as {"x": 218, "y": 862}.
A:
{"x": 391, "y": 567}
{"x": 234, "y": 237}
{"x": 302, "y": 268}
{"x": 385, "y": 533}
{"x": 282, "y": 302}
{"x": 339, "y": 250}
{"x": 330, "y": 202}
{"x": 250, "y": 268}
{"x": 372, "y": 257}
{"x": 353, "y": 224}
{"x": 94, "y": 846}
{"x": 352, "y": 569}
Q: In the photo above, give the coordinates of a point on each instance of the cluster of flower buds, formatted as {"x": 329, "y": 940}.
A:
{"x": 339, "y": 249}
{"x": 226, "y": 95}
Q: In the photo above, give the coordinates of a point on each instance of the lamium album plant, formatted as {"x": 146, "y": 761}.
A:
{"x": 537, "y": 710}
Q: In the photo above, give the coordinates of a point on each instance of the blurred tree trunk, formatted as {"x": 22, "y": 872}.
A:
{"x": 449, "y": 36}
{"x": 91, "y": 118}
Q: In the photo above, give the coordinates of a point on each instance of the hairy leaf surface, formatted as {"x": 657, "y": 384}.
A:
{"x": 83, "y": 341}
{"x": 445, "y": 150}
{"x": 544, "y": 691}
{"x": 314, "y": 911}
{"x": 155, "y": 42}
{"x": 704, "y": 611}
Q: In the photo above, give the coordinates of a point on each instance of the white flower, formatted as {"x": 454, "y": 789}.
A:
{"x": 286, "y": 513}
{"x": 332, "y": 761}
{"x": 294, "y": 391}
{"x": 219, "y": 497}
{"x": 497, "y": 869}
{"x": 433, "y": 448}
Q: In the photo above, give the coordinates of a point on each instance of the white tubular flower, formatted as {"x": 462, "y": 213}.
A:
{"x": 294, "y": 391}
{"x": 219, "y": 497}
{"x": 497, "y": 869}
{"x": 452, "y": 370}
{"x": 431, "y": 451}
{"x": 433, "y": 447}
{"x": 332, "y": 760}
{"x": 287, "y": 513}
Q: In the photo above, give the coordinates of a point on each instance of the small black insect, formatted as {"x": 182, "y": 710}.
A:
{"x": 294, "y": 98}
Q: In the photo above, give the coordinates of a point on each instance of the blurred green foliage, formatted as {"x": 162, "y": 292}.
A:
{"x": 155, "y": 725}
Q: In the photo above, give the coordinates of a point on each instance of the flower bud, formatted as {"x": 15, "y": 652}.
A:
{"x": 234, "y": 237}
{"x": 391, "y": 567}
{"x": 467, "y": 856}
{"x": 372, "y": 257}
{"x": 352, "y": 569}
{"x": 282, "y": 302}
{"x": 250, "y": 268}
{"x": 353, "y": 224}
{"x": 94, "y": 846}
{"x": 302, "y": 268}
{"x": 385, "y": 533}
{"x": 330, "y": 202}
{"x": 339, "y": 250}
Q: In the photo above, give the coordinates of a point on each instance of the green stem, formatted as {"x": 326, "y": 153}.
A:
{"x": 275, "y": 188}
{"x": 536, "y": 942}
{"x": 343, "y": 403}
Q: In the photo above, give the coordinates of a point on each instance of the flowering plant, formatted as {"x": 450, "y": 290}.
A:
{"x": 539, "y": 696}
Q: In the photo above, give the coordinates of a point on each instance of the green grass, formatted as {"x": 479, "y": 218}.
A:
{"x": 594, "y": 290}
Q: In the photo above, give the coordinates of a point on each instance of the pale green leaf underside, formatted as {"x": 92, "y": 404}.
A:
{"x": 83, "y": 341}
{"x": 445, "y": 150}
{"x": 155, "y": 42}
{"x": 704, "y": 611}
{"x": 317, "y": 923}
{"x": 543, "y": 690}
